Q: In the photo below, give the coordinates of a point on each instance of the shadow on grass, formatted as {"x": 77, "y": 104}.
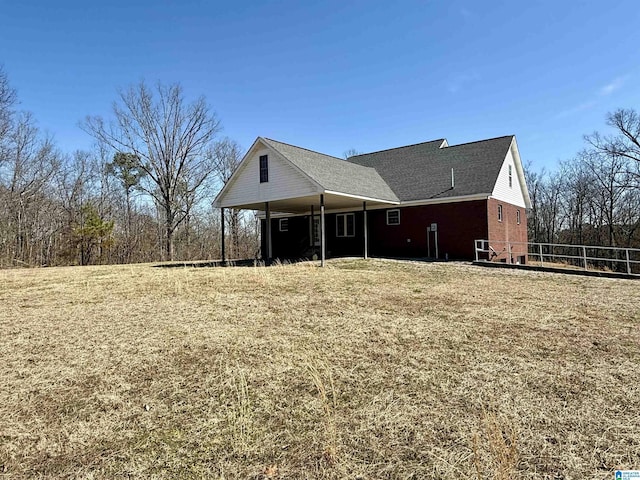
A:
{"x": 212, "y": 263}
{"x": 566, "y": 271}
{"x": 275, "y": 262}
{"x": 231, "y": 263}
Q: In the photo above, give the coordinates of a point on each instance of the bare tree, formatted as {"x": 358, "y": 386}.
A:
{"x": 29, "y": 165}
{"x": 577, "y": 198}
{"x": 613, "y": 161}
{"x": 7, "y": 101}
{"x": 28, "y": 162}
{"x": 125, "y": 167}
{"x": 170, "y": 137}
{"x": 610, "y": 180}
{"x": 550, "y": 209}
{"x": 535, "y": 181}
{"x": 625, "y": 142}
{"x": 227, "y": 155}
{"x": 351, "y": 152}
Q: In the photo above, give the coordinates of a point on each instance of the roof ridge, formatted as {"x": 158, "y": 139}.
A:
{"x": 480, "y": 141}
{"x": 302, "y": 148}
{"x": 398, "y": 148}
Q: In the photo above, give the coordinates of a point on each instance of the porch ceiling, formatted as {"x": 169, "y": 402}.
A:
{"x": 301, "y": 205}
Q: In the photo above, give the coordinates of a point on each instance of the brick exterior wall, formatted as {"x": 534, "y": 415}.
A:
{"x": 458, "y": 225}
{"x": 508, "y": 230}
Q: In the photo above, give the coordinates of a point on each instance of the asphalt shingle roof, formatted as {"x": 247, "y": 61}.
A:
{"x": 423, "y": 171}
{"x": 413, "y": 172}
{"x": 336, "y": 174}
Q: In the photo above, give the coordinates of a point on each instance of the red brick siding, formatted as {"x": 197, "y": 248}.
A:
{"x": 508, "y": 229}
{"x": 459, "y": 224}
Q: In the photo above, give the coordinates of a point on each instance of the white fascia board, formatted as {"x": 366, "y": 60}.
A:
{"x": 435, "y": 201}
{"x": 412, "y": 203}
{"x": 515, "y": 152}
{"x": 276, "y": 199}
{"x": 261, "y": 215}
{"x": 360, "y": 197}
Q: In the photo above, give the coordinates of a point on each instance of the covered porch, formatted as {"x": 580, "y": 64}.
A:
{"x": 294, "y": 225}
{"x": 284, "y": 180}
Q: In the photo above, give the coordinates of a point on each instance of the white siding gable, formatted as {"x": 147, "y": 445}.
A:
{"x": 285, "y": 180}
{"x": 514, "y": 194}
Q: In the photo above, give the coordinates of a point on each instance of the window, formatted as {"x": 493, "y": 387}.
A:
{"x": 284, "y": 224}
{"x": 499, "y": 213}
{"x": 345, "y": 225}
{"x": 264, "y": 168}
{"x": 393, "y": 217}
{"x": 510, "y": 178}
{"x": 518, "y": 217}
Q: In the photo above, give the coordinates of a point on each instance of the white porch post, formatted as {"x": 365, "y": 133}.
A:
{"x": 268, "y": 231}
{"x": 364, "y": 227}
{"x": 322, "y": 236}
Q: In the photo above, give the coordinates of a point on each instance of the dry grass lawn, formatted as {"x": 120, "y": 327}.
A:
{"x": 365, "y": 369}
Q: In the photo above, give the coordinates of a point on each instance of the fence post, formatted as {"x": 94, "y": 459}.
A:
{"x": 584, "y": 256}
{"x": 626, "y": 250}
{"x": 509, "y": 251}
{"x": 476, "y": 245}
{"x": 541, "y": 259}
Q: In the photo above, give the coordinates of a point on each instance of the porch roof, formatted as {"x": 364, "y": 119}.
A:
{"x": 299, "y": 177}
{"x": 302, "y": 205}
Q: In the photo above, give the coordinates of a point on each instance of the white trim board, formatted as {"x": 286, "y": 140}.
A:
{"x": 413, "y": 203}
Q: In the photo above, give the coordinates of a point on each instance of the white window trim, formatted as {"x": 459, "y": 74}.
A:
{"x": 500, "y": 213}
{"x": 518, "y": 216}
{"x": 390, "y": 211}
{"x": 510, "y": 177}
{"x": 281, "y": 221}
{"x": 344, "y": 217}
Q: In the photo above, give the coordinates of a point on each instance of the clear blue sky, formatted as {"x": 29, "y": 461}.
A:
{"x": 335, "y": 75}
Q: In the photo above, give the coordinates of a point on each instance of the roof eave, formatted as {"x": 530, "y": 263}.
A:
{"x": 520, "y": 171}
{"x": 364, "y": 198}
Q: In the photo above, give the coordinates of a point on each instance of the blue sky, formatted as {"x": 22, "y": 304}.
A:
{"x": 335, "y": 75}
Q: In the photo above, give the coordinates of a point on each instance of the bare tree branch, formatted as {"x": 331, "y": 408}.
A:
{"x": 170, "y": 137}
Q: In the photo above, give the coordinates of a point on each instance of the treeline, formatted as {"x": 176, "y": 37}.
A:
{"x": 594, "y": 198}
{"x": 144, "y": 193}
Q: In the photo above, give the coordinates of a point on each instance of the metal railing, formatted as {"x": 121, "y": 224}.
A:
{"x": 586, "y": 257}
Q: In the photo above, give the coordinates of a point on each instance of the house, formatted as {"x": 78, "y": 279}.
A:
{"x": 424, "y": 200}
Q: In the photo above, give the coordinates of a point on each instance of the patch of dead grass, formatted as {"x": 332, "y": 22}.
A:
{"x": 365, "y": 369}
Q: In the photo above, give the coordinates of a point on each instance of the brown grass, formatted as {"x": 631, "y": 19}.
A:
{"x": 365, "y": 369}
